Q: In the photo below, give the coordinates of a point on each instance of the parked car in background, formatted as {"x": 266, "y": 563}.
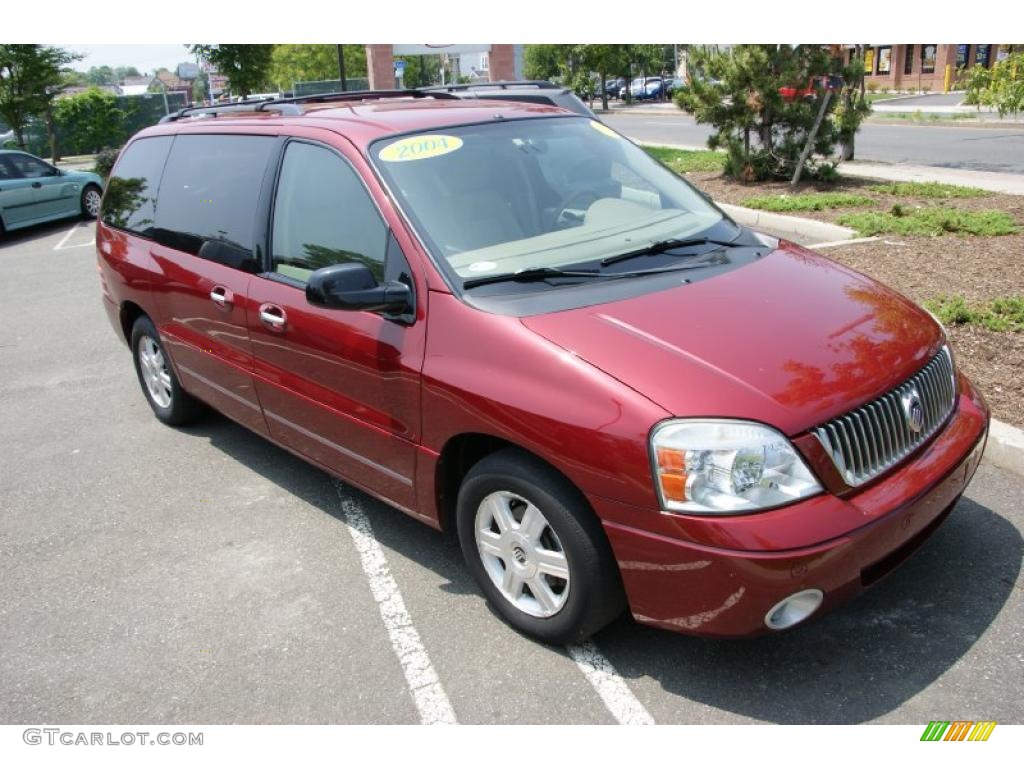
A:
{"x": 644, "y": 88}
{"x": 614, "y": 86}
{"x": 509, "y": 321}
{"x": 673, "y": 84}
{"x": 531, "y": 91}
{"x": 809, "y": 91}
{"x": 32, "y": 191}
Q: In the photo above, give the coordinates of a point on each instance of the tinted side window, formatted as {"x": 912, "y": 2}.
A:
{"x": 6, "y": 170}
{"x": 209, "y": 193}
{"x": 130, "y": 200}
{"x": 323, "y": 215}
{"x": 29, "y": 167}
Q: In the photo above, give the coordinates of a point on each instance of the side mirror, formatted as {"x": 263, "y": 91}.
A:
{"x": 352, "y": 286}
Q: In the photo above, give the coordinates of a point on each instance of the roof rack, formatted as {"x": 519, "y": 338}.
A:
{"x": 501, "y": 84}
{"x": 289, "y": 106}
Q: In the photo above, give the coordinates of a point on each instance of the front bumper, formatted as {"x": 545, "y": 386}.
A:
{"x": 689, "y": 586}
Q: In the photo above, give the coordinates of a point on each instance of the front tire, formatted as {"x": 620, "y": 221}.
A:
{"x": 170, "y": 403}
{"x": 91, "y": 199}
{"x": 536, "y": 549}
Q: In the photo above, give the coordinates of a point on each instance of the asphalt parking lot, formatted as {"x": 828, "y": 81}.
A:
{"x": 154, "y": 575}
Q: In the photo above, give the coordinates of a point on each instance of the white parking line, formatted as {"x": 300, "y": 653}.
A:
{"x": 67, "y": 236}
{"x": 64, "y": 239}
{"x": 424, "y": 685}
{"x": 624, "y": 706}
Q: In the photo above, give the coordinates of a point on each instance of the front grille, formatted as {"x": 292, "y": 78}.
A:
{"x": 867, "y": 441}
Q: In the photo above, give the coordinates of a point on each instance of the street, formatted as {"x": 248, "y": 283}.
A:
{"x": 202, "y": 575}
{"x": 980, "y": 149}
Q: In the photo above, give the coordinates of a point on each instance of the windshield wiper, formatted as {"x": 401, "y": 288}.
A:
{"x": 543, "y": 273}
{"x": 531, "y": 275}
{"x": 661, "y": 246}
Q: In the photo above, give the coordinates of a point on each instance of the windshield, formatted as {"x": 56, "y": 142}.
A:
{"x": 508, "y": 196}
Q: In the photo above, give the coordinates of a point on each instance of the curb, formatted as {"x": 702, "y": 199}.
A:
{"x": 1005, "y": 448}
{"x": 790, "y": 225}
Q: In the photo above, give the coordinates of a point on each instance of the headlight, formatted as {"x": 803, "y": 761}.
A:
{"x": 718, "y": 467}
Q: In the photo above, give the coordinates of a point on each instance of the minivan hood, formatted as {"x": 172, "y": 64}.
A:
{"x": 791, "y": 340}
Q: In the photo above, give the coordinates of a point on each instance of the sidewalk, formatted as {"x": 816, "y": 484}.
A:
{"x": 1007, "y": 183}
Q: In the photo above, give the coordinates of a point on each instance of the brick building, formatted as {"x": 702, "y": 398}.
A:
{"x": 923, "y": 66}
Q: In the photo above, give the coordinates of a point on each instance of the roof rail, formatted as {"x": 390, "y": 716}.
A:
{"x": 252, "y": 105}
{"x": 394, "y": 93}
{"x": 502, "y": 84}
{"x": 288, "y": 106}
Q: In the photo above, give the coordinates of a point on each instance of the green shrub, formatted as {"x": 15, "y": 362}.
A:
{"x": 1004, "y": 314}
{"x": 930, "y": 221}
{"x": 105, "y": 160}
{"x": 818, "y": 201}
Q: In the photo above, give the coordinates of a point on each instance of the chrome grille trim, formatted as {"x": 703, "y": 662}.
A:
{"x": 867, "y": 441}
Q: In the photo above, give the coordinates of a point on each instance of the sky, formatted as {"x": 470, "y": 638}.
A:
{"x": 145, "y": 58}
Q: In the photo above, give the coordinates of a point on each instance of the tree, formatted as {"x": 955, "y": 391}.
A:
{"x": 421, "y": 71}
{"x": 1001, "y": 87}
{"x": 737, "y": 92}
{"x": 120, "y": 73}
{"x": 201, "y": 88}
{"x": 605, "y": 60}
{"x": 88, "y": 121}
{"x": 245, "y": 66}
{"x": 291, "y": 64}
{"x": 30, "y": 78}
{"x": 546, "y": 62}
{"x": 103, "y": 75}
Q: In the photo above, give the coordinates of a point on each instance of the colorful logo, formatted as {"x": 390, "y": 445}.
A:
{"x": 958, "y": 730}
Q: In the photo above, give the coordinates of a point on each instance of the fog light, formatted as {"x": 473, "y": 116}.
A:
{"x": 794, "y": 609}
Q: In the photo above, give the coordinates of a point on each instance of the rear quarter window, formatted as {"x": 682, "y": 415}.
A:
{"x": 210, "y": 190}
{"x": 130, "y": 200}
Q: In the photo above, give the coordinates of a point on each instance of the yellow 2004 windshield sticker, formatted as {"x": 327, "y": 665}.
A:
{"x": 419, "y": 148}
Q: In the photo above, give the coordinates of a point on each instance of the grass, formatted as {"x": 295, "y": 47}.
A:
{"x": 927, "y": 189}
{"x": 1005, "y": 314}
{"x": 930, "y": 221}
{"x": 817, "y": 201}
{"x": 686, "y": 160}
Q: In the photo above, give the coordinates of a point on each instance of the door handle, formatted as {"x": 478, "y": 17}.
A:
{"x": 37, "y": 184}
{"x": 222, "y": 297}
{"x": 272, "y": 316}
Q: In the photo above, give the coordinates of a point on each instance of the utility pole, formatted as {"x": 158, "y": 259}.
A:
{"x": 341, "y": 67}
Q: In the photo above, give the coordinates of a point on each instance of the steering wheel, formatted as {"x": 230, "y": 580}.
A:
{"x": 580, "y": 200}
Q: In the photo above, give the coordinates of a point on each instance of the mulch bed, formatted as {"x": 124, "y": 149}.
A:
{"x": 922, "y": 268}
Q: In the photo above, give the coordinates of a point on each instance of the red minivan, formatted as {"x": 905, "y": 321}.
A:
{"x": 509, "y": 321}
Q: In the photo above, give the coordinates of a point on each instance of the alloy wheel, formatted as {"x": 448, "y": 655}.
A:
{"x": 92, "y": 203}
{"x": 522, "y": 554}
{"x": 154, "y": 372}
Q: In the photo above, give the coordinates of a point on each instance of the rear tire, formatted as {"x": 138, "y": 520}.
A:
{"x": 170, "y": 403}
{"x": 91, "y": 198}
{"x": 536, "y": 549}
